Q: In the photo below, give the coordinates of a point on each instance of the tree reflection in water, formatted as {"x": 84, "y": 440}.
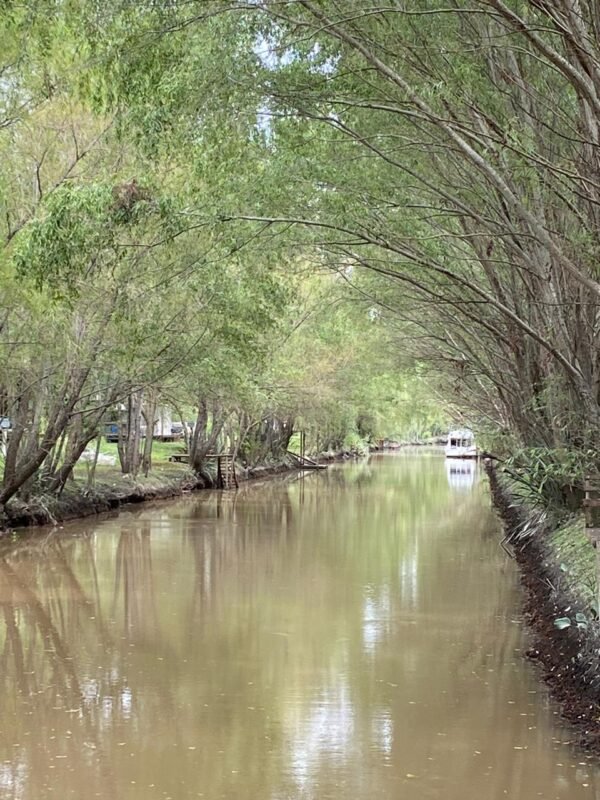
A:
{"x": 45, "y": 719}
{"x": 316, "y": 637}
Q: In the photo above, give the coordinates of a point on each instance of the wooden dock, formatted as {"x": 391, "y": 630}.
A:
{"x": 303, "y": 462}
{"x": 226, "y": 475}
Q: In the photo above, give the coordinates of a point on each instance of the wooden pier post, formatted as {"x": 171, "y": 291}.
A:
{"x": 226, "y": 476}
{"x": 591, "y": 507}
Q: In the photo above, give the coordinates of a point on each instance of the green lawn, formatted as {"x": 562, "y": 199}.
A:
{"x": 162, "y": 468}
{"x": 160, "y": 450}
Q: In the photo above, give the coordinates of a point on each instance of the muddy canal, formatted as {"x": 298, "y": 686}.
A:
{"x": 355, "y": 634}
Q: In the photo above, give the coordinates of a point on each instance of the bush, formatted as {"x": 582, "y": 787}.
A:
{"x": 552, "y": 477}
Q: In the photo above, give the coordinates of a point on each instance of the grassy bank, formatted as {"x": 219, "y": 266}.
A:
{"x": 572, "y": 558}
{"x": 111, "y": 489}
{"x": 559, "y": 576}
{"x": 108, "y": 490}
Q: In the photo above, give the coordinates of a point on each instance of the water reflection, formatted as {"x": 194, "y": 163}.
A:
{"x": 347, "y": 634}
{"x": 376, "y": 616}
{"x": 462, "y": 473}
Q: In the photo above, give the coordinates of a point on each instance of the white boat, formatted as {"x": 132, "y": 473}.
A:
{"x": 461, "y": 444}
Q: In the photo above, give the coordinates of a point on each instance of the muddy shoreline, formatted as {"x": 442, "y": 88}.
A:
{"x": 40, "y": 511}
{"x": 568, "y": 659}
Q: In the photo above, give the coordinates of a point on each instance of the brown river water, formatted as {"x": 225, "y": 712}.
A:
{"x": 352, "y": 634}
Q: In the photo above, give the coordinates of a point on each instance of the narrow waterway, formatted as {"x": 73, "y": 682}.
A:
{"x": 355, "y": 634}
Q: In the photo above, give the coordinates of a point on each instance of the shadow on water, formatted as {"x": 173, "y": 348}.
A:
{"x": 352, "y": 633}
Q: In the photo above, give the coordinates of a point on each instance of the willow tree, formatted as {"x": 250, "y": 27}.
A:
{"x": 442, "y": 161}
{"x": 449, "y": 151}
{"x": 442, "y": 166}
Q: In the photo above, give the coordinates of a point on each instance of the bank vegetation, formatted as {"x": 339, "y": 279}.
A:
{"x": 342, "y": 217}
{"x": 125, "y": 294}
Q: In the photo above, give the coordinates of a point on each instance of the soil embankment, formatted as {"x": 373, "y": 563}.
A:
{"x": 569, "y": 656}
{"x": 78, "y": 501}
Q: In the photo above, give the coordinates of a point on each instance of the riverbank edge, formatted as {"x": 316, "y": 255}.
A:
{"x": 104, "y": 498}
{"x": 568, "y": 658}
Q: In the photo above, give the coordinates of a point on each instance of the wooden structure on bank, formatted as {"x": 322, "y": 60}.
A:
{"x": 226, "y": 477}
{"x": 179, "y": 458}
{"x": 301, "y": 460}
{"x": 591, "y": 507}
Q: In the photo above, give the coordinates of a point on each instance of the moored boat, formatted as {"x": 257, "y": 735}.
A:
{"x": 461, "y": 444}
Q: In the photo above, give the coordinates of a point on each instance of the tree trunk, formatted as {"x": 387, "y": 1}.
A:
{"x": 149, "y": 413}
{"x": 91, "y": 477}
{"x": 203, "y": 441}
{"x": 130, "y": 436}
{"x": 57, "y": 421}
